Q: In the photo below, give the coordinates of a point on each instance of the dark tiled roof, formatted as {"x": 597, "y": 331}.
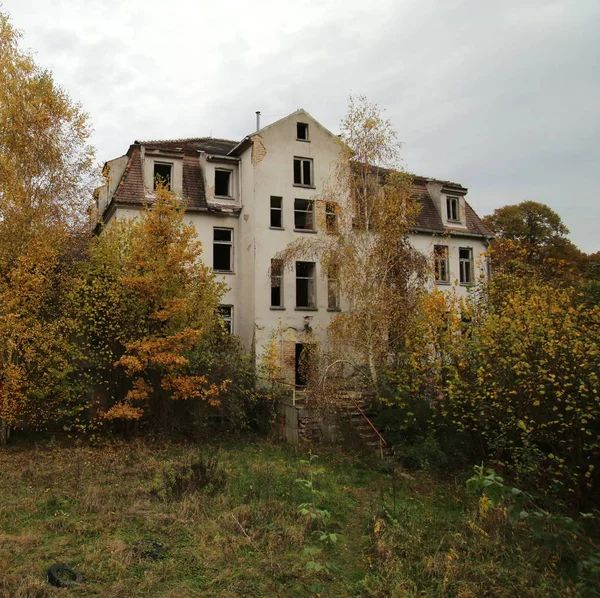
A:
{"x": 130, "y": 189}
{"x": 210, "y": 145}
{"x": 429, "y": 218}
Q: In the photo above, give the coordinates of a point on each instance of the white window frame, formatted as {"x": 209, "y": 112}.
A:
{"x": 441, "y": 264}
{"x": 452, "y": 208}
{"x": 465, "y": 266}
{"x": 303, "y": 182}
{"x": 220, "y": 242}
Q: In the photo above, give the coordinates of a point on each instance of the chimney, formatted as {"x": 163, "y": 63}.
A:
{"x": 257, "y": 121}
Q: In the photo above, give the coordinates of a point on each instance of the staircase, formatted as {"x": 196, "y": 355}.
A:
{"x": 356, "y": 412}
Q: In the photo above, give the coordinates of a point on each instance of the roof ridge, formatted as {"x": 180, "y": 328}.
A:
{"x": 184, "y": 139}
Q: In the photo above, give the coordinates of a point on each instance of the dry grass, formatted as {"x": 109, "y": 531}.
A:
{"x": 88, "y": 506}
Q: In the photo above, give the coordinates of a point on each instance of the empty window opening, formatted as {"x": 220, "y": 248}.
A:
{"x": 305, "y": 284}
{"x": 304, "y": 217}
{"x": 223, "y": 249}
{"x": 331, "y": 217}
{"x": 303, "y": 172}
{"x": 452, "y": 209}
{"x": 302, "y": 131}
{"x": 226, "y": 313}
{"x": 276, "y": 283}
{"x": 162, "y": 175}
{"x": 465, "y": 261}
{"x": 333, "y": 289}
{"x": 276, "y": 213}
{"x": 302, "y": 364}
{"x": 440, "y": 257}
{"x": 223, "y": 183}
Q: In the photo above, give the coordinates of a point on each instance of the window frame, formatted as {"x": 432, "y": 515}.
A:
{"x": 229, "y": 186}
{"x": 331, "y": 210}
{"x": 311, "y": 211}
{"x": 273, "y": 209}
{"x": 333, "y": 281}
{"x": 311, "y": 288}
{"x": 156, "y": 163}
{"x": 305, "y": 125}
{"x": 228, "y": 319}
{"x": 228, "y": 243}
{"x": 438, "y": 261}
{"x": 452, "y": 200}
{"x": 303, "y": 183}
{"x": 461, "y": 266}
{"x": 276, "y": 275}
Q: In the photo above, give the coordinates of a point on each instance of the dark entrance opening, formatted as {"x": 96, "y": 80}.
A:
{"x": 301, "y": 364}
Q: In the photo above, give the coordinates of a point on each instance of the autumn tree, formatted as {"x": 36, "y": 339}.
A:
{"x": 45, "y": 171}
{"x": 147, "y": 305}
{"x": 366, "y": 210}
{"x": 531, "y": 236}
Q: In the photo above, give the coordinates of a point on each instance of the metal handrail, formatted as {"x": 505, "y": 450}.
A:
{"x": 381, "y": 438}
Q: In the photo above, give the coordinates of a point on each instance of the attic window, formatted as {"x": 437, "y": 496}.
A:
{"x": 452, "y": 209}
{"x": 222, "y": 183}
{"x": 301, "y": 131}
{"x": 162, "y": 175}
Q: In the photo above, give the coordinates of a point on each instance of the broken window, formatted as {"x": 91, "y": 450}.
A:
{"x": 276, "y": 212}
{"x": 465, "y": 262}
{"x": 440, "y": 257}
{"x": 276, "y": 283}
{"x": 302, "y": 131}
{"x": 303, "y": 172}
{"x": 452, "y": 209}
{"x": 223, "y": 249}
{"x": 331, "y": 217}
{"x": 222, "y": 183}
{"x": 305, "y": 285}
{"x": 304, "y": 214}
{"x": 226, "y": 313}
{"x": 333, "y": 289}
{"x": 162, "y": 175}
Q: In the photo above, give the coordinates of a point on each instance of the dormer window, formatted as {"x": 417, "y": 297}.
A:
{"x": 453, "y": 209}
{"x": 162, "y": 175}
{"x": 222, "y": 182}
{"x": 301, "y": 131}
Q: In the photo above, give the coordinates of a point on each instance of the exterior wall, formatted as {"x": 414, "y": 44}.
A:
{"x": 424, "y": 243}
{"x": 274, "y": 150}
{"x": 263, "y": 170}
{"x": 113, "y": 172}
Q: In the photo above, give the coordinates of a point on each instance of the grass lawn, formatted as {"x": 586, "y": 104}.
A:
{"x": 401, "y": 537}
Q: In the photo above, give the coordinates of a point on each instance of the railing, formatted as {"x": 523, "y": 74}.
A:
{"x": 382, "y": 441}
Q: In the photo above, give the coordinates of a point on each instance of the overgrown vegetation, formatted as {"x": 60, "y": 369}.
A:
{"x": 91, "y": 507}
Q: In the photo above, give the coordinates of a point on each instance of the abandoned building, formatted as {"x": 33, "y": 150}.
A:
{"x": 249, "y": 199}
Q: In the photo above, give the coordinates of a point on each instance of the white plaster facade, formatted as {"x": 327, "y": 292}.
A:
{"x": 260, "y": 167}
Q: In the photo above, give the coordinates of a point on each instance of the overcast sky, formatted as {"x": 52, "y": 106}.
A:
{"x": 503, "y": 97}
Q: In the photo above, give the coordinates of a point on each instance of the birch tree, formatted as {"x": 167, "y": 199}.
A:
{"x": 366, "y": 209}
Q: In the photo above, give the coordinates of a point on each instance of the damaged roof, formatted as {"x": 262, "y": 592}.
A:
{"x": 130, "y": 190}
{"x": 429, "y": 219}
